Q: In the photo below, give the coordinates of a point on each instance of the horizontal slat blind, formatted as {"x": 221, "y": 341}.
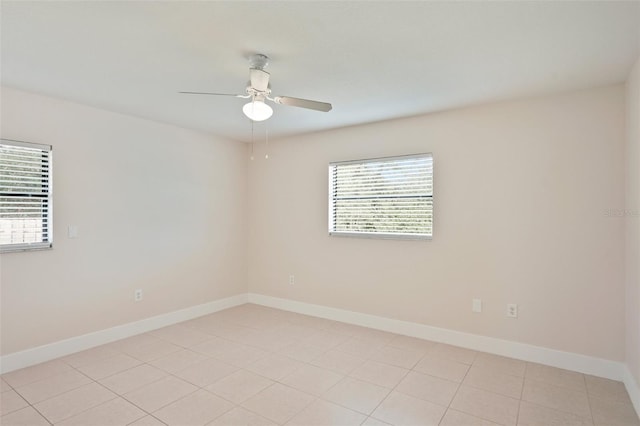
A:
{"x": 390, "y": 197}
{"x": 25, "y": 195}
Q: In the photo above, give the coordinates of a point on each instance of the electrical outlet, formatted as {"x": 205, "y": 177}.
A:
{"x": 292, "y": 279}
{"x": 137, "y": 295}
{"x": 476, "y": 305}
{"x": 512, "y": 310}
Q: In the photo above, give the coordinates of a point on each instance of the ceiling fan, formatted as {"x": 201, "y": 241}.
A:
{"x": 259, "y": 90}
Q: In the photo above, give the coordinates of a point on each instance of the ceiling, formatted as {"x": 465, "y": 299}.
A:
{"x": 372, "y": 60}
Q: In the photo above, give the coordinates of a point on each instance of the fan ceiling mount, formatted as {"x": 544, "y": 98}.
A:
{"x": 259, "y": 90}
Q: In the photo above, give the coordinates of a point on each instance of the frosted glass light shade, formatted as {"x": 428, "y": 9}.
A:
{"x": 257, "y": 110}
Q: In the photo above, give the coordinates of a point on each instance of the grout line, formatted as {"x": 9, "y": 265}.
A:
{"x": 584, "y": 378}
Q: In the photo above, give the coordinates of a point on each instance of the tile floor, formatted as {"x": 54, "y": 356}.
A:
{"x": 252, "y": 365}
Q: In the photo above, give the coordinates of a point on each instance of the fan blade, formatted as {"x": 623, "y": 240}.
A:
{"x": 303, "y": 103}
{"x": 259, "y": 79}
{"x": 215, "y": 94}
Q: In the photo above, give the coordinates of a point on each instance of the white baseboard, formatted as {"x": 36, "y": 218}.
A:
{"x": 54, "y": 350}
{"x": 555, "y": 358}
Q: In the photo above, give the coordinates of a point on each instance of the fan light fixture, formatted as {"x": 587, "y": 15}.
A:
{"x": 257, "y": 110}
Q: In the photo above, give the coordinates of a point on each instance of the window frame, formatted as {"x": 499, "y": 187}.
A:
{"x": 378, "y": 235}
{"x": 47, "y": 197}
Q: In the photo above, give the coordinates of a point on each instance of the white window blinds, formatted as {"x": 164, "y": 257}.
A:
{"x": 25, "y": 196}
{"x": 385, "y": 197}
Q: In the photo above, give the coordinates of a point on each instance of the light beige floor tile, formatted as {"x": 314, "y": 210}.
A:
{"x": 374, "y": 422}
{"x": 132, "y": 379}
{"x": 133, "y": 342}
{"x": 278, "y": 403}
{"x": 458, "y": 418}
{"x": 454, "y": 353}
{"x": 308, "y": 321}
{"x": 206, "y": 372}
{"x": 323, "y": 413}
{"x": 317, "y": 354}
{"x": 25, "y": 417}
{"x": 338, "y": 361}
{"x": 158, "y": 394}
{"x": 89, "y": 356}
{"x": 301, "y": 351}
{"x": 52, "y": 386}
{"x": 429, "y": 388}
{"x": 500, "y": 364}
{"x": 608, "y": 412}
{"x": 607, "y": 389}
{"x": 241, "y": 417}
{"x": 240, "y": 386}
{"x": 74, "y": 402}
{"x": 412, "y": 343}
{"x": 147, "y": 421}
{"x": 32, "y": 374}
{"x": 341, "y": 328}
{"x": 177, "y": 361}
{"x": 494, "y": 381}
{"x": 115, "y": 412}
{"x": 296, "y": 331}
{"x": 4, "y": 386}
{"x": 537, "y": 415}
{"x": 400, "y": 409}
{"x": 215, "y": 346}
{"x": 357, "y": 395}
{"x": 180, "y": 335}
{"x": 198, "y": 408}
{"x": 326, "y": 339}
{"x": 11, "y": 401}
{"x": 556, "y": 376}
{"x": 241, "y": 355}
{"x": 153, "y": 350}
{"x": 379, "y": 374}
{"x": 230, "y": 331}
{"x": 275, "y": 366}
{"x": 108, "y": 366}
{"x": 405, "y": 358}
{"x": 233, "y": 353}
{"x": 559, "y": 398}
{"x": 271, "y": 341}
{"x": 312, "y": 379}
{"x": 441, "y": 367}
{"x": 359, "y": 347}
{"x": 486, "y": 405}
{"x": 377, "y": 335}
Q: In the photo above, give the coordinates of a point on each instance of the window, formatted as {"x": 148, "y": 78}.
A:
{"x": 25, "y": 196}
{"x": 385, "y": 197}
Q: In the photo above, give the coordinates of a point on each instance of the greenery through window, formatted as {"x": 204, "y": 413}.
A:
{"x": 25, "y": 196}
{"x": 385, "y": 197}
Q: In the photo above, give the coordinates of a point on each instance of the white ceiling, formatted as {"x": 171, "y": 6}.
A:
{"x": 372, "y": 60}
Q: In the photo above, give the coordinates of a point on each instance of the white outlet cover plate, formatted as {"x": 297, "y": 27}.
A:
{"x": 476, "y": 305}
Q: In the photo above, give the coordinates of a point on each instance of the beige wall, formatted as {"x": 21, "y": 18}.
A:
{"x": 521, "y": 195}
{"x": 632, "y": 218}
{"x": 522, "y": 192}
{"x": 158, "y": 208}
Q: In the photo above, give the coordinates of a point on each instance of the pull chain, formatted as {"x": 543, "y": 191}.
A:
{"x": 266, "y": 141}
{"x": 251, "y": 140}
